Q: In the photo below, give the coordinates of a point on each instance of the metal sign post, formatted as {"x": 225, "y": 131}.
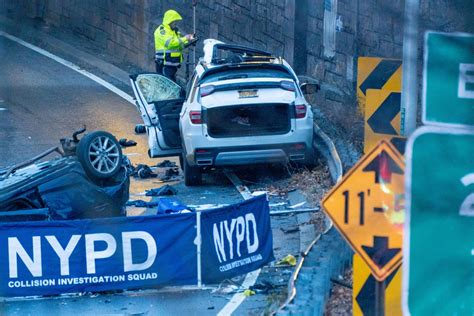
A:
{"x": 194, "y": 30}
{"x": 380, "y": 298}
{"x": 409, "y": 73}
{"x": 198, "y": 248}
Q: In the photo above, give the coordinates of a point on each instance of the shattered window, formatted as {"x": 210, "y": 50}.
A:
{"x": 157, "y": 88}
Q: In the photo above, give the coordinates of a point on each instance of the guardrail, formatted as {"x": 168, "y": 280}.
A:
{"x": 327, "y": 254}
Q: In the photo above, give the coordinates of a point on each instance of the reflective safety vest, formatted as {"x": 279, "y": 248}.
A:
{"x": 169, "y": 46}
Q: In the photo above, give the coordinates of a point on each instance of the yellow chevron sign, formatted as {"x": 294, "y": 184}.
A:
{"x": 363, "y": 293}
{"x": 377, "y": 73}
{"x": 382, "y": 119}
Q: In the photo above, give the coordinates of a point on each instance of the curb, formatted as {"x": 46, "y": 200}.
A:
{"x": 326, "y": 257}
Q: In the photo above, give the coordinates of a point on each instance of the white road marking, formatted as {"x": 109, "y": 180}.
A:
{"x": 70, "y": 65}
{"x": 238, "y": 298}
{"x": 251, "y": 277}
{"x": 132, "y": 154}
{"x": 3, "y": 109}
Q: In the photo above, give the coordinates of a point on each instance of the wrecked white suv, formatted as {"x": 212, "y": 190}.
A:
{"x": 242, "y": 106}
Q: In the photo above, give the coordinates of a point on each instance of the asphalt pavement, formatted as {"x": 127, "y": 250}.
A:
{"x": 42, "y": 101}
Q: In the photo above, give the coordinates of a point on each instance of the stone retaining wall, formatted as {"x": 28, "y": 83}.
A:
{"x": 321, "y": 38}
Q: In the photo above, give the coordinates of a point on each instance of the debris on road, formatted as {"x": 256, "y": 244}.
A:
{"x": 172, "y": 206}
{"x": 249, "y": 292}
{"x": 36, "y": 190}
{"x": 340, "y": 300}
{"x": 227, "y": 287}
{"x": 143, "y": 171}
{"x": 127, "y": 143}
{"x": 141, "y": 203}
{"x": 314, "y": 184}
{"x": 166, "y": 164}
{"x": 164, "y": 190}
{"x": 263, "y": 288}
{"x": 288, "y": 260}
{"x": 288, "y": 230}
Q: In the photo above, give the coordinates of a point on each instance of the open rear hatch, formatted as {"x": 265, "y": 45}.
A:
{"x": 248, "y": 120}
{"x": 159, "y": 101}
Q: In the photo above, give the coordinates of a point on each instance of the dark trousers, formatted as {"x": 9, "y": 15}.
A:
{"x": 159, "y": 67}
{"x": 167, "y": 71}
{"x": 170, "y": 72}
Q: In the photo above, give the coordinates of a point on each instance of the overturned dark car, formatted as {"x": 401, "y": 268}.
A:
{"x": 89, "y": 180}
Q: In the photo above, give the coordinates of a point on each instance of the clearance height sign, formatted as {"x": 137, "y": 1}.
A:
{"x": 367, "y": 208}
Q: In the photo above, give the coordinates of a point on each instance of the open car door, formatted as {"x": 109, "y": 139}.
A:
{"x": 159, "y": 101}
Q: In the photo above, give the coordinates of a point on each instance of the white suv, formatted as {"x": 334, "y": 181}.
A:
{"x": 242, "y": 106}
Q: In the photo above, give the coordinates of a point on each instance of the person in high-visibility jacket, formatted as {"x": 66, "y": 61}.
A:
{"x": 169, "y": 44}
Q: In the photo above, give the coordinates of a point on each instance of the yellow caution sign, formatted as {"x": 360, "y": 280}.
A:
{"x": 377, "y": 73}
{"x": 363, "y": 293}
{"x": 367, "y": 208}
{"x": 382, "y": 119}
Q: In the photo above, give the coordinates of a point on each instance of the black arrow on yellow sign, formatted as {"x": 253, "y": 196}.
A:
{"x": 380, "y": 75}
{"x": 399, "y": 143}
{"x": 380, "y": 121}
{"x": 379, "y": 253}
{"x": 383, "y": 166}
{"x": 366, "y": 296}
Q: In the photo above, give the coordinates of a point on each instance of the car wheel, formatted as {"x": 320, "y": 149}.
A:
{"x": 100, "y": 155}
{"x": 140, "y": 129}
{"x": 181, "y": 162}
{"x": 192, "y": 175}
{"x": 311, "y": 160}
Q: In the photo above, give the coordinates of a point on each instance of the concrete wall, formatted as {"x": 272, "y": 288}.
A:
{"x": 321, "y": 38}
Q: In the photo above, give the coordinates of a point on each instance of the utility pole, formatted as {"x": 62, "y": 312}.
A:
{"x": 410, "y": 75}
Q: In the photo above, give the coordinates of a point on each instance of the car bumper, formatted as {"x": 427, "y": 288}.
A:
{"x": 203, "y": 150}
{"x": 248, "y": 155}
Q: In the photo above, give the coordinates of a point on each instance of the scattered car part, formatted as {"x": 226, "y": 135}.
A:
{"x": 166, "y": 164}
{"x": 127, "y": 143}
{"x": 100, "y": 154}
{"x": 140, "y": 129}
{"x": 143, "y": 171}
{"x": 164, "y": 190}
{"x": 141, "y": 203}
{"x": 63, "y": 188}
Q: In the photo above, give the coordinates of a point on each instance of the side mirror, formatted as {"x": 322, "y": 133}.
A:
{"x": 309, "y": 88}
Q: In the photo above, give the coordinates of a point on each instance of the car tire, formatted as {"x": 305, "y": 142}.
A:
{"x": 181, "y": 162}
{"x": 311, "y": 160}
{"x": 192, "y": 175}
{"x": 100, "y": 155}
{"x": 140, "y": 129}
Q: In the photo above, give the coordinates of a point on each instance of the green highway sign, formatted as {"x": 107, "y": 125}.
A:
{"x": 448, "y": 74}
{"x": 439, "y": 229}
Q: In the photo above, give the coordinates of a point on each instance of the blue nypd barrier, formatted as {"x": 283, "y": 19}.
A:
{"x": 44, "y": 258}
{"x": 236, "y": 239}
{"x": 56, "y": 257}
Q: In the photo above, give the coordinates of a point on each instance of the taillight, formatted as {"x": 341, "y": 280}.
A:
{"x": 300, "y": 110}
{"x": 287, "y": 85}
{"x": 195, "y": 117}
{"x": 299, "y": 146}
{"x": 207, "y": 90}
